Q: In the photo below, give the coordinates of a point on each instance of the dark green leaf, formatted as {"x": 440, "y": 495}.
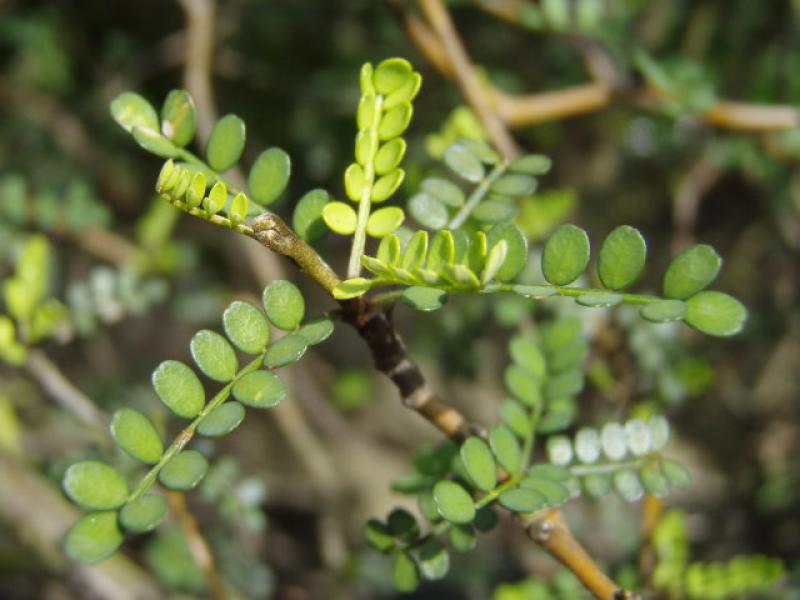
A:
{"x": 269, "y": 175}
{"x": 522, "y": 500}
{"x": 184, "y": 471}
{"x": 434, "y": 561}
{"x": 565, "y": 255}
{"x": 403, "y": 525}
{"x": 479, "y": 463}
{"x": 455, "y": 504}
{"x": 214, "y": 355}
{"x": 259, "y": 389}
{"x": 144, "y": 513}
{"x": 424, "y": 299}
{"x": 378, "y": 535}
{"x": 94, "y": 537}
{"x": 135, "y": 434}
{"x": 691, "y": 271}
{"x": 222, "y": 420}
{"x": 179, "y": 388}
{"x": 622, "y": 257}
{"x": 664, "y": 311}
{"x": 285, "y": 351}
{"x": 506, "y": 448}
{"x": 462, "y": 537}
{"x": 515, "y": 417}
{"x": 246, "y": 327}
{"x": 95, "y": 485}
{"x": 523, "y": 385}
{"x": 517, "y": 254}
{"x": 715, "y": 313}
{"x": 307, "y": 219}
{"x": 226, "y": 143}
{"x": 316, "y": 330}
{"x": 284, "y": 304}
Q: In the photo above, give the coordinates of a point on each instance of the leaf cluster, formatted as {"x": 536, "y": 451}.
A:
{"x": 99, "y": 488}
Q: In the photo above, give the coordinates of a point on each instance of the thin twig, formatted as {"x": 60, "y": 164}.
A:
{"x": 467, "y": 78}
{"x": 198, "y": 546}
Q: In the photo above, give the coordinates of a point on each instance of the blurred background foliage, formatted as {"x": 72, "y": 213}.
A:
{"x": 138, "y": 279}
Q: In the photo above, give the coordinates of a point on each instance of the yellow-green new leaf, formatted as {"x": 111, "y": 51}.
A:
{"x": 179, "y": 117}
{"x": 384, "y": 221}
{"x": 387, "y": 185}
{"x": 340, "y": 218}
{"x": 351, "y": 288}
{"x": 131, "y": 110}
{"x": 215, "y": 201}
{"x": 354, "y": 182}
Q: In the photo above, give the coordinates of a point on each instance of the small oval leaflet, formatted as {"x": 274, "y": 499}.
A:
{"x": 284, "y": 304}
{"x": 135, "y": 434}
{"x": 462, "y": 538}
{"x": 144, "y": 513}
{"x": 597, "y": 485}
{"x": 179, "y": 117}
{"x": 269, "y": 175}
{"x": 628, "y": 485}
{"x": 259, "y": 389}
{"x": 285, "y": 351}
{"x": 621, "y": 258}
{"x": 389, "y": 155}
{"x": 664, "y": 311}
{"x": 495, "y": 211}
{"x": 214, "y": 355}
{"x": 184, "y": 471}
{"x": 154, "y": 142}
{"x": 179, "y": 388}
{"x": 479, "y": 462}
{"x": 516, "y": 253}
{"x": 453, "y": 501}
{"x": 351, "y": 288}
{"x": 444, "y": 191}
{"x": 522, "y": 500}
{"x": 612, "y": 439}
{"x": 715, "y": 313}
{"x": 404, "y": 573}
{"x": 222, "y": 420}
{"x": 532, "y": 164}
{"x": 599, "y": 300}
{"x": 395, "y": 121}
{"x": 464, "y": 163}
{"x": 554, "y": 492}
{"x": 559, "y": 450}
{"x": 307, "y": 218}
{"x": 526, "y": 353}
{"x": 506, "y": 448}
{"x": 691, "y": 271}
{"x": 226, "y": 142}
{"x": 340, "y": 217}
{"x": 523, "y": 385}
{"x": 587, "y": 445}
{"x": 316, "y": 330}
{"x": 384, "y": 221}
{"x": 514, "y": 184}
{"x": 638, "y": 437}
{"x": 390, "y": 74}
{"x": 93, "y": 537}
{"x": 515, "y": 417}
{"x": 387, "y": 185}
{"x": 565, "y": 255}
{"x": 130, "y": 110}
{"x": 434, "y": 560}
{"x": 246, "y": 327}
{"x": 428, "y": 210}
{"x": 95, "y": 485}
{"x": 424, "y": 298}
{"x": 659, "y": 431}
{"x": 403, "y": 525}
{"x": 378, "y": 536}
{"x": 653, "y": 480}
{"x": 354, "y": 181}
{"x": 675, "y": 472}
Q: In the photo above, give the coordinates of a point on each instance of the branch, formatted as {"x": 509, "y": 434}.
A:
{"x": 550, "y": 531}
{"x": 529, "y": 109}
{"x": 198, "y": 546}
{"x": 467, "y": 79}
